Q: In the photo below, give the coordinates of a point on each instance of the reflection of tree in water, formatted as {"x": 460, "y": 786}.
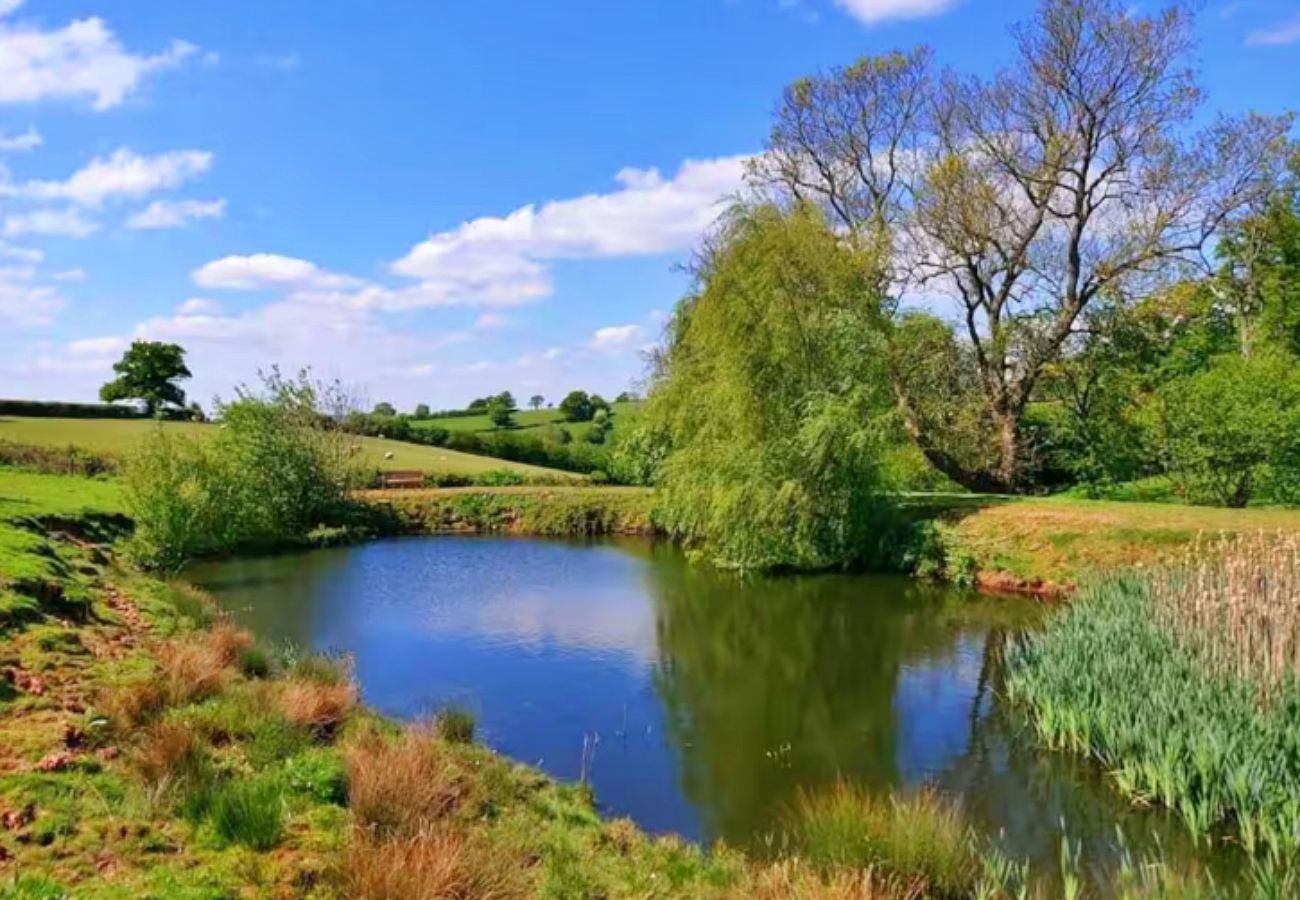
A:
{"x": 780, "y": 684}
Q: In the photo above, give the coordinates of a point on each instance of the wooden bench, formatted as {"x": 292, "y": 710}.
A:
{"x": 399, "y": 479}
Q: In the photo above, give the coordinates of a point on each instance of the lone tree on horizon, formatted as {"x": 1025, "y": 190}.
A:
{"x": 536, "y": 401}
{"x": 148, "y": 371}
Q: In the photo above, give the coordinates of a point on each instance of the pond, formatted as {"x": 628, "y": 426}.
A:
{"x": 693, "y": 701}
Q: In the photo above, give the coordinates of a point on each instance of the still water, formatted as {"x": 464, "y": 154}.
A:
{"x": 706, "y": 702}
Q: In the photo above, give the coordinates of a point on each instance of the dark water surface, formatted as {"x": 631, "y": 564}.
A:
{"x": 707, "y": 702}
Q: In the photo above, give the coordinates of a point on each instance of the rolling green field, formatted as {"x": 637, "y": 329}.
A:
{"x": 116, "y": 437}
{"x": 530, "y": 420}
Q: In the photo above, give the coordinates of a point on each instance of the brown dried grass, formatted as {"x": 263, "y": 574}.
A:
{"x": 168, "y": 755}
{"x": 1235, "y": 602}
{"x": 435, "y": 864}
{"x": 402, "y": 788}
{"x": 319, "y": 707}
{"x": 795, "y": 880}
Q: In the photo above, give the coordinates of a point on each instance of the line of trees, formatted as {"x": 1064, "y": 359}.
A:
{"x": 1045, "y": 277}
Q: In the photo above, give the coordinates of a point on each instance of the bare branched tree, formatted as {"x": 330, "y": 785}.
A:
{"x": 1070, "y": 179}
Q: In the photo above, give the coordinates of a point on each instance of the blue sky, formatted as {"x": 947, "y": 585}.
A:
{"x": 429, "y": 200}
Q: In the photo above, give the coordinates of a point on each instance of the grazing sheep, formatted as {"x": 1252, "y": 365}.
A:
{"x": 388, "y": 455}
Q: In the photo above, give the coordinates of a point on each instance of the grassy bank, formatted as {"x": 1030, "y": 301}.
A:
{"x": 117, "y": 437}
{"x": 1050, "y": 545}
{"x": 543, "y": 511}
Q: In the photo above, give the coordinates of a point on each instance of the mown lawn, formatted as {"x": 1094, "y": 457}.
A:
{"x": 24, "y": 494}
{"x": 116, "y": 437}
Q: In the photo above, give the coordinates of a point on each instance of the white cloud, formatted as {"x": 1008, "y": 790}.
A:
{"x": 20, "y": 143}
{"x": 269, "y": 270}
{"x": 1277, "y": 35}
{"x": 82, "y": 59}
{"x": 616, "y": 338}
{"x": 176, "y": 213}
{"x": 25, "y": 304}
{"x": 25, "y": 254}
{"x": 70, "y": 275}
{"x": 873, "y": 12}
{"x": 198, "y": 306}
{"x": 122, "y": 173}
{"x": 59, "y": 222}
{"x": 99, "y": 346}
{"x": 502, "y": 260}
{"x": 8, "y": 6}
{"x": 489, "y": 320}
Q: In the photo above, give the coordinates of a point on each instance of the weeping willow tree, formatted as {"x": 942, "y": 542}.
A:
{"x": 772, "y": 396}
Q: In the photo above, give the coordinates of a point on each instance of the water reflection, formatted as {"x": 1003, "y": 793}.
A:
{"x": 714, "y": 700}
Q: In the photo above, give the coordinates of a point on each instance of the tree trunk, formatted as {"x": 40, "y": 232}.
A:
{"x": 1008, "y": 451}
{"x": 976, "y": 480}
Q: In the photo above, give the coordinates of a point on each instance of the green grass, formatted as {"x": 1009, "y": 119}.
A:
{"x": 25, "y": 494}
{"x": 1062, "y": 540}
{"x": 545, "y": 511}
{"x": 116, "y": 437}
{"x": 532, "y": 420}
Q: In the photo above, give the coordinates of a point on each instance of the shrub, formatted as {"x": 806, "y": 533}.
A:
{"x": 249, "y": 812}
{"x": 273, "y": 471}
{"x": 1236, "y": 425}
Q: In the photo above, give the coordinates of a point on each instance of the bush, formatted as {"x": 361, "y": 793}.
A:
{"x": 318, "y": 774}
{"x": 272, "y": 473}
{"x": 1233, "y": 428}
{"x": 44, "y": 409}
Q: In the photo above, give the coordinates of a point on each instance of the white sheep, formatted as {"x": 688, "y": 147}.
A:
{"x": 388, "y": 455}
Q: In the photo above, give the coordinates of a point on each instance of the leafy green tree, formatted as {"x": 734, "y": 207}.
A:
{"x": 773, "y": 399}
{"x": 500, "y": 413}
{"x": 577, "y": 407}
{"x": 626, "y": 397}
{"x": 536, "y": 401}
{"x": 1233, "y": 428}
{"x": 1071, "y": 179}
{"x": 385, "y": 409}
{"x": 422, "y": 411}
{"x": 148, "y": 371}
{"x": 506, "y": 399}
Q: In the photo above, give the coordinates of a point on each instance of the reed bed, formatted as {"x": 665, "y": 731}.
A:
{"x": 1182, "y": 684}
{"x": 1235, "y": 603}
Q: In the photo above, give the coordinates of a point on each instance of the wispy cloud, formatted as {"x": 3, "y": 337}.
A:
{"x": 1279, "y": 34}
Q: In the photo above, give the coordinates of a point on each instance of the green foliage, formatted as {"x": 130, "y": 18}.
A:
{"x": 1234, "y": 427}
{"x": 772, "y": 398}
{"x": 500, "y": 413}
{"x": 148, "y": 371}
{"x": 274, "y": 471}
{"x": 455, "y": 725}
{"x": 577, "y": 407}
{"x": 33, "y": 887}
{"x": 384, "y": 408}
{"x": 421, "y": 411}
{"x": 319, "y": 774}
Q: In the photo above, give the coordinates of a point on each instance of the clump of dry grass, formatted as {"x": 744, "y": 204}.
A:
{"x": 400, "y": 789}
{"x": 321, "y": 708}
{"x": 168, "y": 755}
{"x": 433, "y": 863}
{"x": 794, "y": 880}
{"x": 1235, "y": 602}
{"x": 191, "y": 670}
